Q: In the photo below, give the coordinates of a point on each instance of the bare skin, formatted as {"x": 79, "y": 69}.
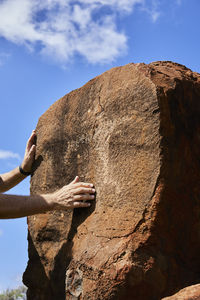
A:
{"x": 72, "y": 195}
{"x": 12, "y": 178}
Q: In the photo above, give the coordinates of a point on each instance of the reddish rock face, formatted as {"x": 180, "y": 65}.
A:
{"x": 134, "y": 132}
{"x": 188, "y": 293}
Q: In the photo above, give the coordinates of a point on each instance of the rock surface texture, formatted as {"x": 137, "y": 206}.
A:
{"x": 134, "y": 132}
{"x": 188, "y": 293}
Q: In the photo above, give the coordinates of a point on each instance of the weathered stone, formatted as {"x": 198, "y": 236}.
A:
{"x": 135, "y": 133}
{"x": 188, "y": 293}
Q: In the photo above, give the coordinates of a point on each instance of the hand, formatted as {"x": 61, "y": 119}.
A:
{"x": 73, "y": 195}
{"x": 29, "y": 155}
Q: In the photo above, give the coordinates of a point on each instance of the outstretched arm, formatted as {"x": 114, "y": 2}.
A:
{"x": 12, "y": 178}
{"x": 72, "y": 195}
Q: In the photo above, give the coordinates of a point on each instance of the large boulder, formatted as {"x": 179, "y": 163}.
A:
{"x": 134, "y": 132}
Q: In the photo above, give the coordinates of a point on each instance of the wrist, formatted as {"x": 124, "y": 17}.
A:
{"x": 23, "y": 172}
{"x": 26, "y": 166}
{"x": 50, "y": 200}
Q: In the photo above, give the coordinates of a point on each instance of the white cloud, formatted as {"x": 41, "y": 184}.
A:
{"x": 9, "y": 154}
{"x": 63, "y": 28}
{"x": 152, "y": 8}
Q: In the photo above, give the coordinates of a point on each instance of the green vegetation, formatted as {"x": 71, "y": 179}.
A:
{"x": 15, "y": 294}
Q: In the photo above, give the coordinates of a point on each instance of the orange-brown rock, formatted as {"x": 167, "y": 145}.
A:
{"x": 134, "y": 132}
{"x": 188, "y": 293}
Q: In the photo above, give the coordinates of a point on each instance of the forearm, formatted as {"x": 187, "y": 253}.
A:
{"x": 10, "y": 179}
{"x": 13, "y": 206}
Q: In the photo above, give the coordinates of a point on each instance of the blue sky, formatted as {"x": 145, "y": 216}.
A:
{"x": 50, "y": 47}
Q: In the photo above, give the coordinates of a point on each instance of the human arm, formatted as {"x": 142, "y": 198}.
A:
{"x": 10, "y": 179}
{"x": 72, "y": 195}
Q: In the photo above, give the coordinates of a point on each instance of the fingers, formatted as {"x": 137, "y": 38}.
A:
{"x": 81, "y": 204}
{"x": 84, "y": 185}
{"x": 84, "y": 197}
{"x": 76, "y": 179}
{"x": 32, "y": 151}
{"x": 84, "y": 190}
{"x": 31, "y": 140}
{"x": 81, "y": 184}
{"x": 29, "y": 155}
